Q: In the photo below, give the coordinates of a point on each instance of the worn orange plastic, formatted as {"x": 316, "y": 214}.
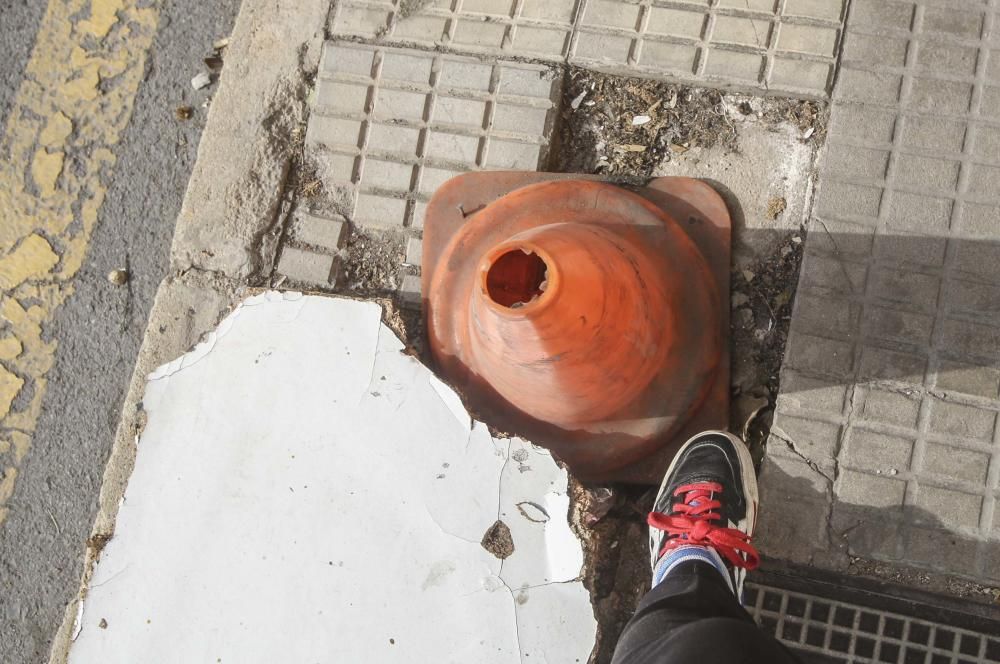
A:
{"x": 580, "y": 315}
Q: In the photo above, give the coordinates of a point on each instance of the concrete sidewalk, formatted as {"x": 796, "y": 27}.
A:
{"x": 886, "y": 445}
{"x": 884, "y": 458}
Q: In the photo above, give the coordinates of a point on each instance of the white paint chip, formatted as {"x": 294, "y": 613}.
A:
{"x": 201, "y": 80}
{"x": 304, "y": 491}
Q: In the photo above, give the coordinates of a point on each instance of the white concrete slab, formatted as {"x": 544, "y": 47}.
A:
{"x": 306, "y": 492}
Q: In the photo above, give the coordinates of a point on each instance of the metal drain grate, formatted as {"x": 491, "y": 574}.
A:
{"x": 839, "y": 632}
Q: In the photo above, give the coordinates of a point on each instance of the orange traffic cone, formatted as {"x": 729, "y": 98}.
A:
{"x": 580, "y": 315}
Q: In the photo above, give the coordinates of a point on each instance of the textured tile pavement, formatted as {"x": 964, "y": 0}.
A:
{"x": 445, "y": 88}
{"x": 886, "y": 442}
{"x": 390, "y": 125}
{"x": 311, "y": 255}
{"x": 787, "y": 46}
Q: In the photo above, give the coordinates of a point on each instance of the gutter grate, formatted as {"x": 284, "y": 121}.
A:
{"x": 840, "y": 632}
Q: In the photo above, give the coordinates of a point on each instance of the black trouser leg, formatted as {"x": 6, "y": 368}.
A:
{"x": 692, "y": 617}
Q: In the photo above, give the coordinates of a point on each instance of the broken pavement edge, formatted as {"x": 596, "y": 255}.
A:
{"x": 220, "y": 242}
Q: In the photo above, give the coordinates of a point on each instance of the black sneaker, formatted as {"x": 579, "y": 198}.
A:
{"x": 709, "y": 499}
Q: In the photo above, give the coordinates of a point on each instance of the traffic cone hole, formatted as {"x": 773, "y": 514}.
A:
{"x": 516, "y": 277}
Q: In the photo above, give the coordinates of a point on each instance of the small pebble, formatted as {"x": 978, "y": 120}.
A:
{"x": 118, "y": 277}
{"x": 201, "y": 80}
{"x": 739, "y": 299}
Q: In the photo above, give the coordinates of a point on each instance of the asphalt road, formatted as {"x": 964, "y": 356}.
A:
{"x": 99, "y": 329}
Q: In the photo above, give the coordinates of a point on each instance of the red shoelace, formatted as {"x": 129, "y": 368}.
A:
{"x": 693, "y": 522}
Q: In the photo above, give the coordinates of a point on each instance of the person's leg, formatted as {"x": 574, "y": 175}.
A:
{"x": 700, "y": 530}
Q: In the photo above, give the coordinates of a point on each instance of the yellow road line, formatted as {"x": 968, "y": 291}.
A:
{"x": 73, "y": 104}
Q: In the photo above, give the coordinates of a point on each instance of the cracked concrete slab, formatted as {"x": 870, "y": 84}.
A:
{"x": 336, "y": 481}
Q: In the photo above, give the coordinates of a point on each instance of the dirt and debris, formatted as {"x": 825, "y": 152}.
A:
{"x": 404, "y": 10}
{"x": 213, "y": 63}
{"x": 408, "y": 324}
{"x": 97, "y": 542}
{"x": 183, "y": 112}
{"x": 616, "y": 568}
{"x": 918, "y": 578}
{"x": 311, "y": 188}
{"x": 776, "y": 206}
{"x": 601, "y": 500}
{"x": 626, "y": 127}
{"x": 762, "y": 296}
{"x": 103, "y": 624}
{"x": 811, "y": 117}
{"x": 498, "y": 540}
{"x": 373, "y": 260}
{"x": 408, "y": 8}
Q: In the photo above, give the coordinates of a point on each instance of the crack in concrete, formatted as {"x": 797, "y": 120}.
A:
{"x": 451, "y": 534}
{"x": 836, "y": 250}
{"x": 513, "y": 602}
{"x": 778, "y": 433}
{"x": 783, "y": 437}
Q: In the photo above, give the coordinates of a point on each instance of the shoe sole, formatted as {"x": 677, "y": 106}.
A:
{"x": 747, "y": 474}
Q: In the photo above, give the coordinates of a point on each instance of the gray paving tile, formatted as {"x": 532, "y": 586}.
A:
{"x": 410, "y": 291}
{"x": 320, "y": 231}
{"x": 769, "y": 45}
{"x": 391, "y": 125}
{"x": 532, "y": 28}
{"x": 414, "y": 252}
{"x": 898, "y": 295}
{"x": 308, "y": 267}
{"x": 788, "y": 46}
